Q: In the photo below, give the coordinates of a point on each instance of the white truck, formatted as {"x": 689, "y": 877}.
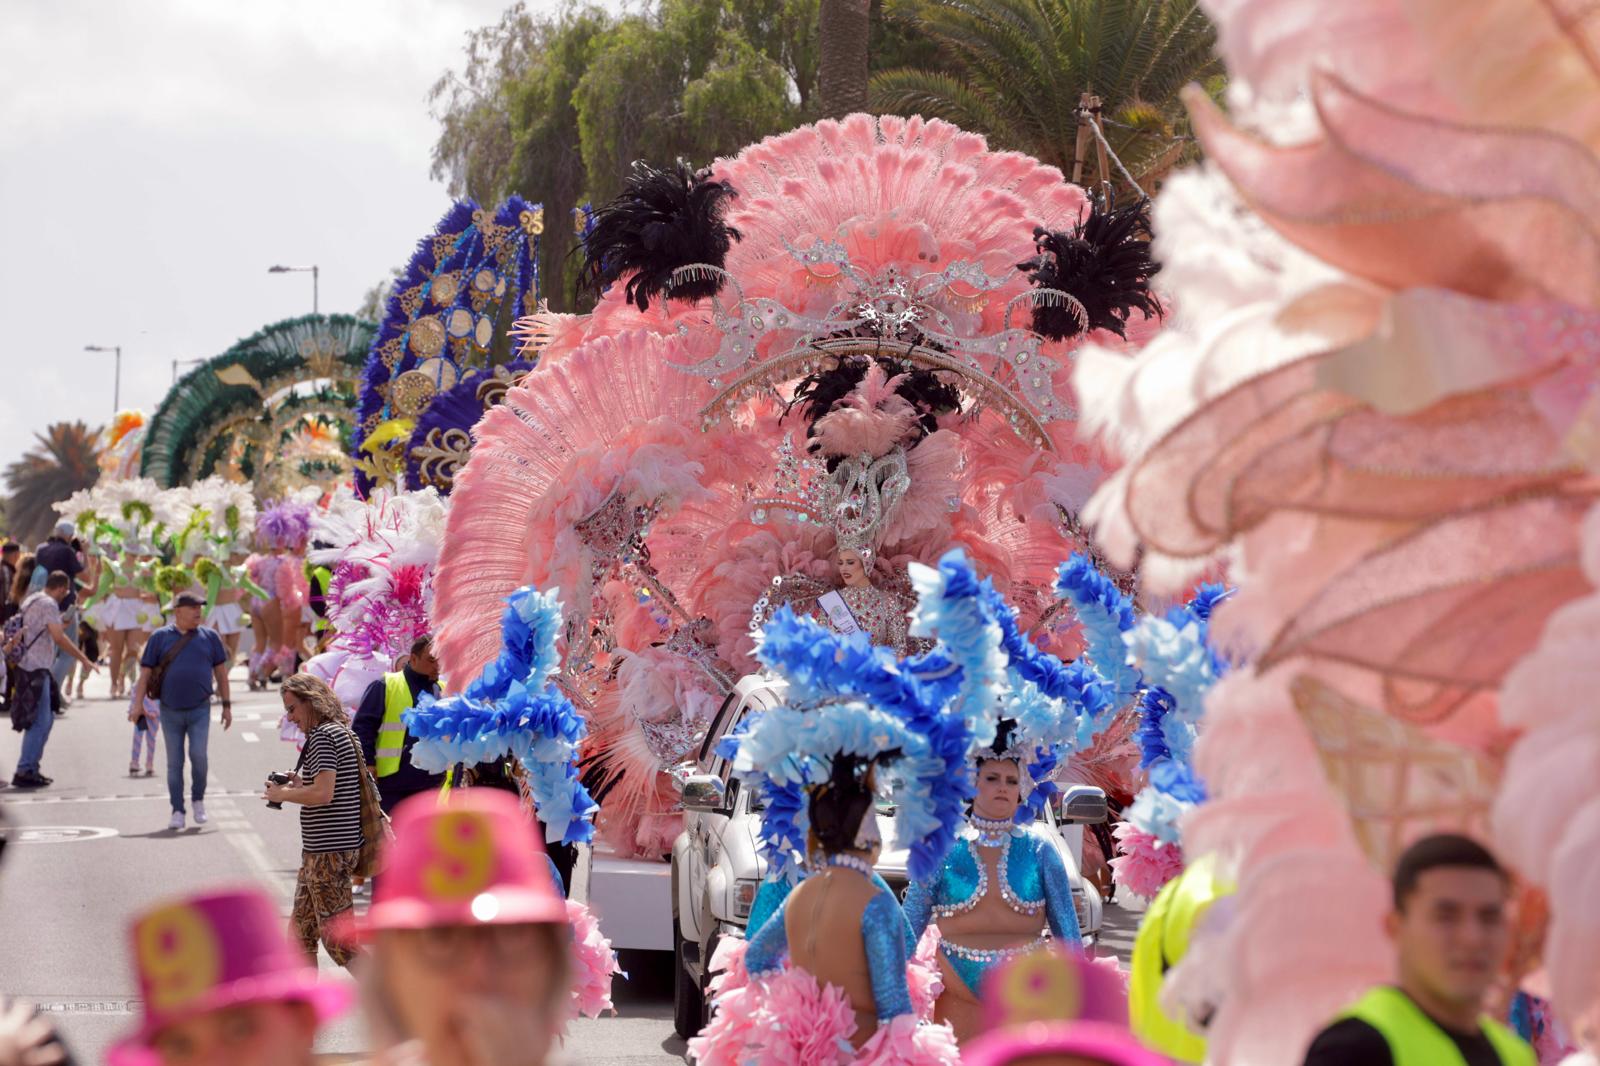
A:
{"x": 717, "y": 866}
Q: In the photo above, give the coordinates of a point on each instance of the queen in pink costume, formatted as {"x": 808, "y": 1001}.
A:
{"x": 650, "y": 469}
{"x": 1377, "y": 405}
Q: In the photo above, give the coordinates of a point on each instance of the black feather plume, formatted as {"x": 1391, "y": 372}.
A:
{"x": 821, "y": 391}
{"x": 1104, "y": 263}
{"x": 662, "y": 220}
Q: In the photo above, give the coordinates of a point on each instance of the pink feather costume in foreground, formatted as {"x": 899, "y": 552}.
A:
{"x": 627, "y": 470}
{"x": 1378, "y": 407}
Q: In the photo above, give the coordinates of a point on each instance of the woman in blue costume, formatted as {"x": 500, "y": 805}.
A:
{"x": 1000, "y": 889}
{"x": 843, "y": 924}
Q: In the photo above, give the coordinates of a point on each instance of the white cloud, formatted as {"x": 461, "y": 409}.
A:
{"x": 156, "y": 156}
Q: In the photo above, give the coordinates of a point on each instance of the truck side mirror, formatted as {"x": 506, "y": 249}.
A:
{"x": 1082, "y": 805}
{"x": 705, "y": 793}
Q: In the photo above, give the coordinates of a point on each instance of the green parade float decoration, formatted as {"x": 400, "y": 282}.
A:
{"x": 277, "y": 409}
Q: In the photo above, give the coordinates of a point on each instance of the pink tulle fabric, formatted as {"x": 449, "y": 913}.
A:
{"x": 1143, "y": 863}
{"x": 594, "y": 964}
{"x": 746, "y": 1012}
{"x": 1548, "y": 812}
{"x": 1376, "y": 407}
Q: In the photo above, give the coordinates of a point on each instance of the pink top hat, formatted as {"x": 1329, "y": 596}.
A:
{"x": 1054, "y": 986}
{"x": 474, "y": 860}
{"x": 205, "y": 953}
{"x": 1090, "y": 1041}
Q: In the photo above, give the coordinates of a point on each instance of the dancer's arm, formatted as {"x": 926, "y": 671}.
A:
{"x": 769, "y": 945}
{"x": 1059, "y": 911}
{"x": 883, "y": 934}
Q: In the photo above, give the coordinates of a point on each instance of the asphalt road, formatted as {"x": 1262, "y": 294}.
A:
{"x": 94, "y": 848}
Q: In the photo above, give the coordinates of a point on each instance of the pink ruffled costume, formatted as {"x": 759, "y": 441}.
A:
{"x": 1379, "y": 409}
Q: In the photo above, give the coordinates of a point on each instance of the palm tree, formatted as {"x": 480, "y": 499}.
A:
{"x": 1016, "y": 70}
{"x": 843, "y": 29}
{"x": 63, "y": 462}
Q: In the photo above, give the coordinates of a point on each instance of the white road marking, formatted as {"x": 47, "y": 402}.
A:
{"x": 250, "y": 738}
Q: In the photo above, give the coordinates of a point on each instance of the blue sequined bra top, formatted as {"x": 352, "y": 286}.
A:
{"x": 965, "y": 879}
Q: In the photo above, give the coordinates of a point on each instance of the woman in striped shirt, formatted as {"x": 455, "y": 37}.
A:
{"x": 327, "y": 785}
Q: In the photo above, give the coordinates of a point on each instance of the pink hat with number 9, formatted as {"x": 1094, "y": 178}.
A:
{"x": 209, "y": 952}
{"x": 473, "y": 860}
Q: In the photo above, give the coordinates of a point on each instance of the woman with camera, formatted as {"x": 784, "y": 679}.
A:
{"x": 327, "y": 785}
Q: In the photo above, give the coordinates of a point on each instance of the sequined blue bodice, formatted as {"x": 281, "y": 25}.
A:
{"x": 965, "y": 879}
{"x": 884, "y": 934}
{"x": 1030, "y": 874}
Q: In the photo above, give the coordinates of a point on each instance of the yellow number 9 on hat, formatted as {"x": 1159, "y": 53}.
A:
{"x": 178, "y": 955}
{"x": 462, "y": 863}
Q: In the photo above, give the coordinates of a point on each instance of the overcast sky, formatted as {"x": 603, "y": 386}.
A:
{"x": 156, "y": 156}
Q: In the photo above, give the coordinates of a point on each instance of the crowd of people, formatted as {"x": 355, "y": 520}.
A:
{"x": 1294, "y": 555}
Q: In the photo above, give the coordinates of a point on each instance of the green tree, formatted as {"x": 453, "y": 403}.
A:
{"x": 62, "y": 462}
{"x": 693, "y": 78}
{"x": 1013, "y": 70}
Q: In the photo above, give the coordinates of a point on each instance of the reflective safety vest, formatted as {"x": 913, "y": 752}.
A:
{"x": 1415, "y": 1039}
{"x": 1162, "y": 941}
{"x": 392, "y": 733}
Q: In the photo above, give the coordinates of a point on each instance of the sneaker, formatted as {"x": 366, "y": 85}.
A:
{"x": 149, "y": 771}
{"x": 199, "y": 813}
{"x": 133, "y": 769}
{"x": 177, "y": 820}
{"x": 29, "y": 779}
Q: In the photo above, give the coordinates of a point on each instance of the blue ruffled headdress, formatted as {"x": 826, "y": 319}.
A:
{"x": 846, "y": 696}
{"x": 1179, "y": 666}
{"x": 513, "y": 709}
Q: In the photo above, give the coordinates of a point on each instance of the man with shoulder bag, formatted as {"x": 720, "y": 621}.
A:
{"x": 182, "y": 665}
{"x": 36, "y": 696}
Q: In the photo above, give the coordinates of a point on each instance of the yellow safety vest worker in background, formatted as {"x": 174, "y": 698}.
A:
{"x": 392, "y": 733}
{"x": 1162, "y": 941}
{"x": 1416, "y": 1040}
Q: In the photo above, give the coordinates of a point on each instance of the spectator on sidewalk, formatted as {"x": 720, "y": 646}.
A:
{"x": 10, "y": 556}
{"x": 385, "y": 742}
{"x": 36, "y": 695}
{"x": 60, "y": 553}
{"x": 1451, "y": 934}
{"x": 327, "y": 785}
{"x": 192, "y": 665}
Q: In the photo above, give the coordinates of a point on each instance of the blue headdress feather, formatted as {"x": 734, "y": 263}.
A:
{"x": 512, "y": 708}
{"x": 1180, "y": 665}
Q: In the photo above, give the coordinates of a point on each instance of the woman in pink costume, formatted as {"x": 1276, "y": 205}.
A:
{"x": 282, "y": 530}
{"x": 1378, "y": 407}
{"x": 834, "y": 367}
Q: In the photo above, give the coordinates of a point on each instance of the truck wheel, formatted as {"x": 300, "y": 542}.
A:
{"x": 688, "y": 999}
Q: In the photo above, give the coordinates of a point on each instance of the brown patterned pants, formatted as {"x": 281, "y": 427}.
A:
{"x": 321, "y": 894}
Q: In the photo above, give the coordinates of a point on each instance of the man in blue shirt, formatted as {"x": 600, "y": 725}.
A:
{"x": 195, "y": 662}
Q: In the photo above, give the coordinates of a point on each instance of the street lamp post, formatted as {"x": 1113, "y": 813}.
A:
{"x": 176, "y": 363}
{"x": 280, "y": 269}
{"x": 116, "y": 388}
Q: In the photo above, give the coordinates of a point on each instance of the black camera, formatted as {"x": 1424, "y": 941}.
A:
{"x": 278, "y": 779}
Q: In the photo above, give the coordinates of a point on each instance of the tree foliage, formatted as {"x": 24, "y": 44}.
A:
{"x": 555, "y": 106}
{"x": 61, "y": 462}
{"x": 1014, "y": 69}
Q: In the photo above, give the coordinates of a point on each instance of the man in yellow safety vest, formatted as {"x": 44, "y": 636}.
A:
{"x": 384, "y": 741}
{"x": 1451, "y": 934}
